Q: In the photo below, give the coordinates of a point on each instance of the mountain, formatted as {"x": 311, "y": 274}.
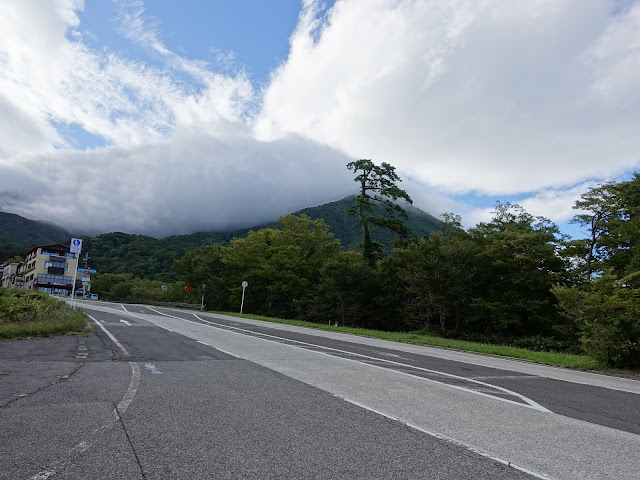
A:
{"x": 148, "y": 257}
{"x": 18, "y": 234}
{"x": 346, "y": 228}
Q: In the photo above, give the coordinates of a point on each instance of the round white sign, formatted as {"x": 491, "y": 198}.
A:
{"x": 245, "y": 284}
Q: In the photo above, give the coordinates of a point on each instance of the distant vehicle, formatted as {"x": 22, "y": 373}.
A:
{"x": 94, "y": 296}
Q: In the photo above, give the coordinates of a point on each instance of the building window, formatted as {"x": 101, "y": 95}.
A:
{"x": 56, "y": 265}
{"x": 54, "y": 279}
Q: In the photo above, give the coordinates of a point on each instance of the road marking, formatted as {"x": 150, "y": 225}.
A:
{"x": 84, "y": 445}
{"x": 125, "y": 322}
{"x": 110, "y": 335}
{"x": 132, "y": 390}
{"x": 528, "y": 402}
{"x": 448, "y": 439}
{"x": 152, "y": 368}
{"x": 389, "y": 354}
{"x": 165, "y": 328}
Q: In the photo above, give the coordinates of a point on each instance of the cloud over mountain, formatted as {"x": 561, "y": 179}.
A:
{"x": 537, "y": 99}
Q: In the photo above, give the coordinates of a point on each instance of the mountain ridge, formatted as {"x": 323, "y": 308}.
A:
{"x": 149, "y": 257}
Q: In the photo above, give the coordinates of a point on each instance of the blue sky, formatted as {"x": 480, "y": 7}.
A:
{"x": 253, "y": 34}
{"x": 172, "y": 117}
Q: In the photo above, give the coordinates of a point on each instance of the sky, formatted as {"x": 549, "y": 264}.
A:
{"x": 163, "y": 117}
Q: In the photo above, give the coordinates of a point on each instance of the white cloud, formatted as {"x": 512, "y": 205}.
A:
{"x": 484, "y": 96}
{"x": 487, "y": 96}
{"x": 553, "y": 204}
{"x": 49, "y": 75}
{"x": 194, "y": 182}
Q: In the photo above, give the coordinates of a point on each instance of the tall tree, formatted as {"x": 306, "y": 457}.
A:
{"x": 606, "y": 309}
{"x": 378, "y": 185}
{"x": 598, "y": 208}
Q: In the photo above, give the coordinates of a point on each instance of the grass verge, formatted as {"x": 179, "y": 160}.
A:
{"x": 29, "y": 313}
{"x": 581, "y": 362}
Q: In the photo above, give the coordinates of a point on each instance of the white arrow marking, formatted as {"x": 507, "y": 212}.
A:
{"x": 125, "y": 322}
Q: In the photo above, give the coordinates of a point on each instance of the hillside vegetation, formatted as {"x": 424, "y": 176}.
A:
{"x": 19, "y": 234}
{"x": 512, "y": 280}
{"x": 148, "y": 257}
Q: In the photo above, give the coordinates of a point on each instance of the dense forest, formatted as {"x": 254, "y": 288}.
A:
{"x": 19, "y": 234}
{"x": 147, "y": 257}
{"x": 152, "y": 258}
{"x": 511, "y": 280}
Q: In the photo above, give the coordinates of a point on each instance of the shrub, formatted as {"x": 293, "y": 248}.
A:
{"x": 607, "y": 313}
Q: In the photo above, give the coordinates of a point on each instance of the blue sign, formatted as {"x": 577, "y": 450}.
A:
{"x": 86, "y": 270}
{"x": 76, "y": 245}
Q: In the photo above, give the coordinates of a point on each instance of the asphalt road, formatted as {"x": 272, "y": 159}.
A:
{"x": 160, "y": 393}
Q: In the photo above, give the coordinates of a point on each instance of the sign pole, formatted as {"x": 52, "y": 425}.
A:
{"x": 245, "y": 284}
{"x": 73, "y": 288}
{"x": 75, "y": 248}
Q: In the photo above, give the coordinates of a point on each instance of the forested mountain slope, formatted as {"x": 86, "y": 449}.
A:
{"x": 148, "y": 257}
{"x": 19, "y": 234}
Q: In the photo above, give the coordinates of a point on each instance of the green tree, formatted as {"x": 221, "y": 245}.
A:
{"x": 621, "y": 240}
{"x": 281, "y": 266}
{"x": 516, "y": 267}
{"x": 606, "y": 312}
{"x": 439, "y": 276}
{"x": 377, "y": 184}
{"x": 606, "y": 309}
{"x": 204, "y": 266}
{"x": 598, "y": 207}
{"x": 106, "y": 285}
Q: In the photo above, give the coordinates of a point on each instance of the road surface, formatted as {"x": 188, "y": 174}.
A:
{"x": 164, "y": 393}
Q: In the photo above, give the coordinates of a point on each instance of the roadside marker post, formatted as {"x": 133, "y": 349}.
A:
{"x": 245, "y": 284}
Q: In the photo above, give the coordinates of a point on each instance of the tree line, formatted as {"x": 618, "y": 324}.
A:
{"x": 514, "y": 279}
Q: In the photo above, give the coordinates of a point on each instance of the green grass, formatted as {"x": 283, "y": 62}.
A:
{"x": 28, "y": 313}
{"x": 582, "y": 362}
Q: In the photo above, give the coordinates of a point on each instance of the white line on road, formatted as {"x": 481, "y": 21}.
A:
{"x": 125, "y": 322}
{"x": 84, "y": 445}
{"x": 131, "y": 391}
{"x": 529, "y": 403}
{"x": 110, "y": 335}
{"x": 448, "y": 439}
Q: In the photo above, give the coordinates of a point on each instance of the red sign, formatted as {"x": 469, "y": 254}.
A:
{"x": 188, "y": 289}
